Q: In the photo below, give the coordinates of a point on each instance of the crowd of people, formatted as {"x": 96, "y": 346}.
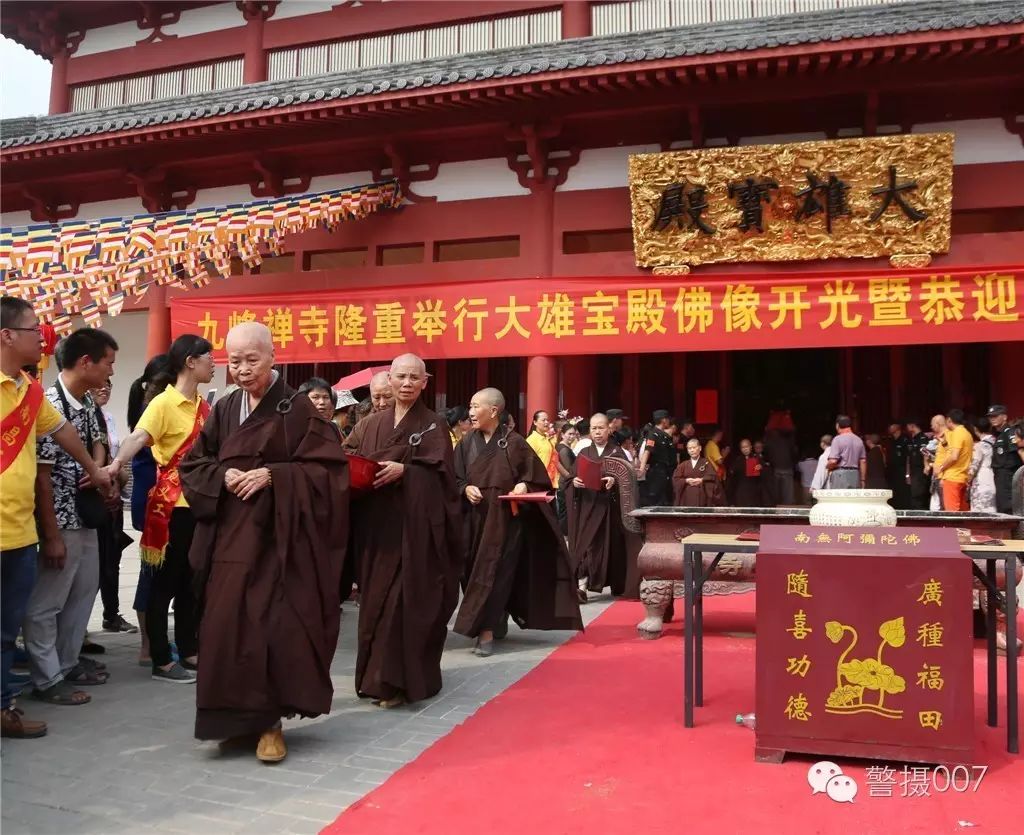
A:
{"x": 261, "y": 513}
{"x": 957, "y": 463}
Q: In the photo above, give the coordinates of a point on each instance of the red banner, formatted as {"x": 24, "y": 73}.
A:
{"x": 602, "y": 314}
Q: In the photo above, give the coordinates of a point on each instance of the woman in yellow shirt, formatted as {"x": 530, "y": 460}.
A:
{"x": 540, "y": 442}
{"x": 170, "y": 425}
{"x": 457, "y": 418}
{"x": 715, "y": 454}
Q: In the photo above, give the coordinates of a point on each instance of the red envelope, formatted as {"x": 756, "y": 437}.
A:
{"x": 527, "y": 497}
{"x": 753, "y": 467}
{"x": 535, "y": 498}
{"x": 362, "y": 472}
{"x": 589, "y": 472}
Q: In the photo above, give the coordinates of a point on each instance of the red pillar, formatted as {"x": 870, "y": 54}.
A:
{"x": 1004, "y": 366}
{"x": 59, "y": 98}
{"x": 578, "y": 379}
{"x": 541, "y": 387}
{"x": 254, "y": 66}
{"x": 158, "y": 337}
{"x": 576, "y": 19}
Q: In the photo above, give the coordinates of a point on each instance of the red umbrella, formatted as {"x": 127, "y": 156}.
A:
{"x": 360, "y": 379}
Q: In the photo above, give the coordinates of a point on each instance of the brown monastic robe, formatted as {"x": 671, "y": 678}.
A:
{"x": 707, "y": 494}
{"x": 267, "y": 569}
{"x": 517, "y": 563}
{"x": 597, "y": 539}
{"x": 408, "y": 538}
{"x": 355, "y": 437}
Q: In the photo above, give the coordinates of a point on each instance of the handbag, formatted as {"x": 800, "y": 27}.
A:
{"x": 89, "y": 504}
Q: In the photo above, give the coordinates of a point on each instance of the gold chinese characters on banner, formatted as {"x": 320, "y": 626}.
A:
{"x": 845, "y": 198}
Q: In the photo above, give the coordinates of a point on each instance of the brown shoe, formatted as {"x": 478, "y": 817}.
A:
{"x": 271, "y": 747}
{"x": 15, "y": 726}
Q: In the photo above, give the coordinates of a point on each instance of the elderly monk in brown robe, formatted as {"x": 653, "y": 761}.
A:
{"x": 597, "y": 540}
{"x": 695, "y": 482}
{"x": 408, "y": 538}
{"x": 517, "y": 559}
{"x": 267, "y": 482}
{"x": 381, "y": 398}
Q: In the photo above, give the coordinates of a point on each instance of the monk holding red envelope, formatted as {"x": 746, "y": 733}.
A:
{"x": 597, "y": 539}
{"x": 408, "y": 540}
{"x": 518, "y": 562}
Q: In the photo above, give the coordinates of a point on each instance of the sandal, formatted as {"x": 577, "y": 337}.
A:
{"x": 82, "y": 676}
{"x": 61, "y": 693}
{"x": 91, "y": 664}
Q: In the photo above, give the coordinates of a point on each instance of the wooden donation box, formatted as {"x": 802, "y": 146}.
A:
{"x": 864, "y": 644}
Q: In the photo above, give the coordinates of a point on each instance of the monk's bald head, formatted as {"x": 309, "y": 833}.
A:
{"x": 250, "y": 350}
{"x": 250, "y": 335}
{"x": 485, "y": 409}
{"x": 599, "y": 428}
{"x": 492, "y": 397}
{"x": 409, "y": 361}
{"x": 381, "y": 395}
{"x": 408, "y": 377}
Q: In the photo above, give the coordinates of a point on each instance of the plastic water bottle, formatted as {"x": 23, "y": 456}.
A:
{"x": 747, "y": 720}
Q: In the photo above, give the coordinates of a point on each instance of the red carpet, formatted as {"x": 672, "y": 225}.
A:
{"x": 592, "y": 742}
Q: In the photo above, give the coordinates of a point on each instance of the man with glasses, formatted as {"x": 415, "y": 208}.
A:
{"x": 26, "y": 415}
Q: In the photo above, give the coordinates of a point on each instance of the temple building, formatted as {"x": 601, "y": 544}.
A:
{"x": 509, "y": 127}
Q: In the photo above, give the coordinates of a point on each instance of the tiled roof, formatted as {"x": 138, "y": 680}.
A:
{"x": 609, "y": 50}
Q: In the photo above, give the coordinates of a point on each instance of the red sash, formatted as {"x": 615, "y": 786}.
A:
{"x": 17, "y": 426}
{"x": 164, "y": 496}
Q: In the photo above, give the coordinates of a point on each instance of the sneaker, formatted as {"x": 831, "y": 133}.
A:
{"x": 119, "y": 624}
{"x": 176, "y": 675}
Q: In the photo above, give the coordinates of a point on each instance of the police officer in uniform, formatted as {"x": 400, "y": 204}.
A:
{"x": 897, "y": 467}
{"x": 1005, "y": 457}
{"x": 658, "y": 461}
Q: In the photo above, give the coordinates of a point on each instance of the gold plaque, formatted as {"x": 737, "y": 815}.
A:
{"x": 844, "y": 198}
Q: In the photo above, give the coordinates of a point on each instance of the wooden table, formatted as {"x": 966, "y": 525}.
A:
{"x": 694, "y": 577}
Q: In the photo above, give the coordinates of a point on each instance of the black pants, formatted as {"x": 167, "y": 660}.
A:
{"x": 1004, "y": 489}
{"x": 173, "y": 581}
{"x": 110, "y": 564}
{"x": 656, "y": 489}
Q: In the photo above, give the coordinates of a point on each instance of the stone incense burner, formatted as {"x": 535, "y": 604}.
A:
{"x": 660, "y": 559}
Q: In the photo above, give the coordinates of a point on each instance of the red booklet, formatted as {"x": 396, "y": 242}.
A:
{"x": 589, "y": 472}
{"x": 362, "y": 472}
{"x": 753, "y": 467}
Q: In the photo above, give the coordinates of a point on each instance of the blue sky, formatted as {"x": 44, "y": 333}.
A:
{"x": 24, "y": 81}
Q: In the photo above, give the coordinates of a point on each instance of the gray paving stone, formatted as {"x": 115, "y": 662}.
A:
{"x": 127, "y": 762}
{"x": 274, "y": 823}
